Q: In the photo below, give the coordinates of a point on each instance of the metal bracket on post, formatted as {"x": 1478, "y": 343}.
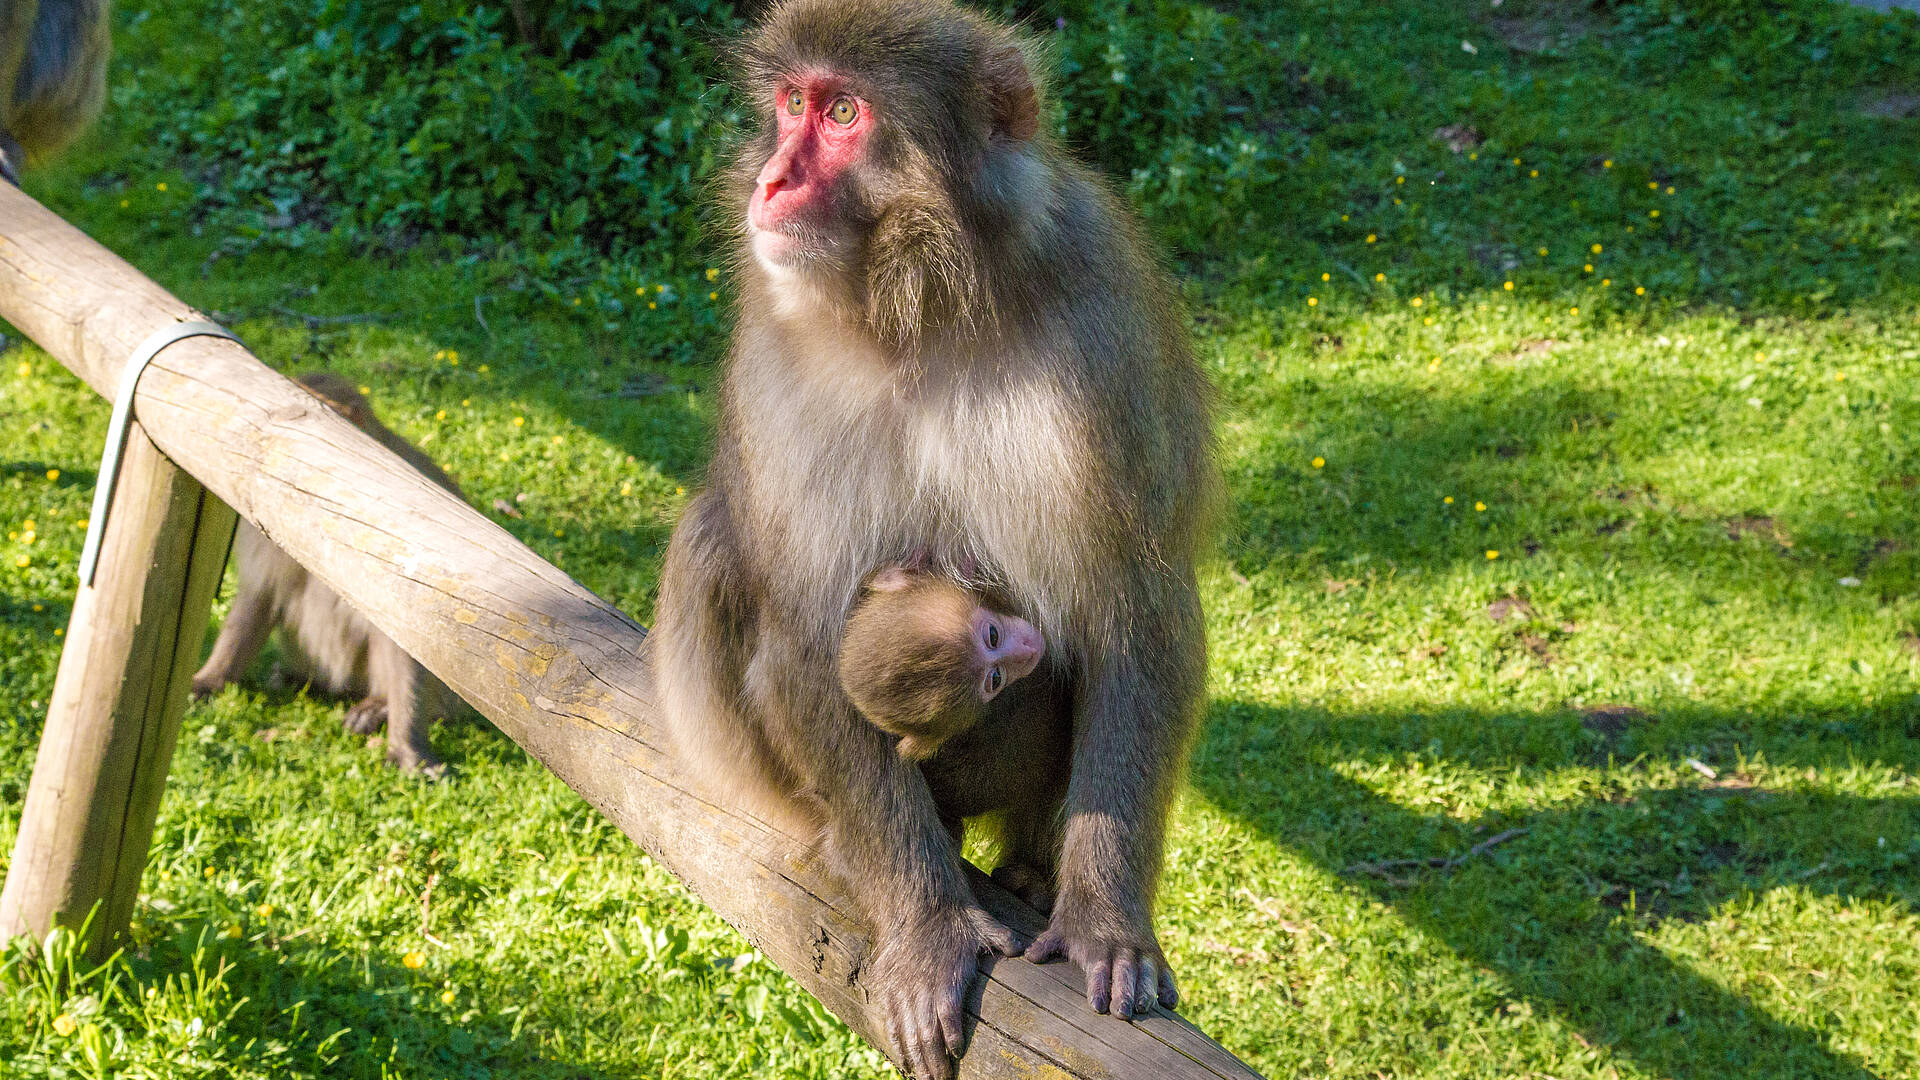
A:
{"x": 117, "y": 431}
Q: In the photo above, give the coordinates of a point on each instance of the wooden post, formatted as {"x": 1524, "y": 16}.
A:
{"x": 557, "y": 669}
{"x": 131, "y": 647}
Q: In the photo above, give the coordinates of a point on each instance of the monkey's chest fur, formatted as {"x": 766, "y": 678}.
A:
{"x": 853, "y": 466}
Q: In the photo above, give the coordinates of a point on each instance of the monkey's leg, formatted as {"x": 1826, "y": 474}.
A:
{"x": 396, "y": 678}
{"x": 241, "y": 638}
{"x": 1133, "y": 711}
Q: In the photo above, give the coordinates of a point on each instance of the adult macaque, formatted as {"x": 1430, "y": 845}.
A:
{"x": 53, "y": 75}
{"x": 950, "y": 340}
{"x": 923, "y": 657}
{"x": 330, "y": 645}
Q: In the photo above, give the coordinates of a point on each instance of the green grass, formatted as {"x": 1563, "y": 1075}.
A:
{"x": 1705, "y": 501}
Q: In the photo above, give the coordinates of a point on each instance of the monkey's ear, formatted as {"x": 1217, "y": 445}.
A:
{"x": 892, "y": 579}
{"x": 1016, "y": 101}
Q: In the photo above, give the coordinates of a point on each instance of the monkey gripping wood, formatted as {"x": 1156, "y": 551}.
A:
{"x": 557, "y": 669}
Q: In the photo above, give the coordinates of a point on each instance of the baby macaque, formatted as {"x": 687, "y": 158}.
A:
{"x": 329, "y": 645}
{"x": 922, "y": 657}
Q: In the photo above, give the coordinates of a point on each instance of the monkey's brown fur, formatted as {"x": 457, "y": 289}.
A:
{"x": 909, "y": 663}
{"x": 53, "y": 75}
{"x": 329, "y": 644}
{"x": 976, "y": 357}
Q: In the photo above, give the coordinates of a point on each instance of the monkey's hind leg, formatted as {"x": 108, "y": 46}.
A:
{"x": 397, "y": 679}
{"x": 12, "y": 159}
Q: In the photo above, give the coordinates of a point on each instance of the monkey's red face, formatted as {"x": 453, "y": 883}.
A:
{"x": 822, "y": 129}
{"x": 1008, "y": 648}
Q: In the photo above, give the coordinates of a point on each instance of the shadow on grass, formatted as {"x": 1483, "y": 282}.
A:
{"x": 1560, "y": 911}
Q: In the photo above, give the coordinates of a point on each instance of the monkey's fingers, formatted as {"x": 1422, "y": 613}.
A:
{"x": 1099, "y": 975}
{"x": 1050, "y": 945}
{"x": 1144, "y": 997}
{"x": 996, "y": 935}
{"x": 1169, "y": 993}
{"x": 1126, "y": 981}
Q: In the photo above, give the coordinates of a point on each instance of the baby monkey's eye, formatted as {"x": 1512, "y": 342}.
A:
{"x": 795, "y": 103}
{"x": 995, "y": 680}
{"x": 843, "y": 111}
{"x": 993, "y": 636}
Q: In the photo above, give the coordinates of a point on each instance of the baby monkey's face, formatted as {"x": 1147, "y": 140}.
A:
{"x": 1004, "y": 647}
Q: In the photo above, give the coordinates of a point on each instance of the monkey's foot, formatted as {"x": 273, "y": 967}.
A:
{"x": 1125, "y": 969}
{"x": 1029, "y": 883}
{"x": 205, "y": 686}
{"x": 366, "y": 716}
{"x": 920, "y": 976}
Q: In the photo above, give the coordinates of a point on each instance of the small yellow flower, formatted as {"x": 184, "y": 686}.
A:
{"x": 206, "y": 871}
{"x": 519, "y": 421}
{"x": 264, "y": 911}
{"x": 453, "y": 359}
{"x": 1535, "y": 173}
{"x": 1448, "y": 500}
{"x": 453, "y": 355}
{"x": 1630, "y": 229}
{"x": 65, "y": 1024}
{"x": 1313, "y": 301}
{"x": 39, "y": 607}
{"x": 713, "y": 296}
{"x": 1380, "y": 277}
{"x": 639, "y": 290}
{"x": 1653, "y": 213}
{"x": 626, "y": 487}
{"x": 1428, "y": 320}
{"x": 1587, "y": 268}
{"x": 1516, "y": 161}
{"x": 29, "y": 524}
{"x": 161, "y": 186}
{"x": 1433, "y": 364}
{"x": 124, "y": 203}
{"x": 53, "y": 474}
{"x": 1480, "y": 506}
{"x": 464, "y": 402}
{"x": 23, "y": 561}
{"x": 576, "y": 301}
{"x": 1543, "y": 253}
{"x": 414, "y": 959}
{"x": 1396, "y": 202}
{"x": 59, "y": 631}
{"x": 1492, "y": 554}
{"x": 1607, "y": 164}
{"x": 483, "y": 369}
{"x": 1343, "y": 217}
{"x": 1669, "y": 190}
{"x": 713, "y": 273}
{"x": 1319, "y": 463}
{"x": 557, "y": 534}
{"x": 1416, "y": 301}
{"x": 1326, "y": 277}
{"x": 25, "y": 369}
{"x": 448, "y": 997}
{"x": 1759, "y": 356}
{"x": 651, "y": 306}
{"x": 1606, "y": 282}
{"x": 441, "y": 415}
{"x": 659, "y": 288}
{"x": 1399, "y": 179}
{"x": 1573, "y": 311}
{"x": 1639, "y": 290}
{"x": 232, "y": 932}
{"x": 1474, "y": 156}
{"x": 1839, "y": 376}
{"x": 1597, "y": 249}
{"x": 556, "y": 440}
{"x": 1508, "y": 286}
{"x": 1371, "y": 238}
{"x": 440, "y": 354}
{"x": 366, "y": 390}
{"x": 1652, "y": 185}
{"x": 679, "y": 491}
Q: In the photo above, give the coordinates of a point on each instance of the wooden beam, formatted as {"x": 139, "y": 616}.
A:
{"x": 132, "y": 644}
{"x": 556, "y": 668}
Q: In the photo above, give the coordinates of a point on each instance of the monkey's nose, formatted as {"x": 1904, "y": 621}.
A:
{"x": 1023, "y": 653}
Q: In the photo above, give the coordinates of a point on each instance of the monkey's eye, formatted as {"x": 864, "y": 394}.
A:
{"x": 795, "y": 103}
{"x": 995, "y": 680}
{"x": 993, "y": 636}
{"x": 843, "y": 112}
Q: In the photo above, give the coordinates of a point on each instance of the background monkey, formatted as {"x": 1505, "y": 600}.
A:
{"x": 53, "y": 75}
{"x": 923, "y": 657}
{"x": 330, "y": 645}
{"x": 950, "y": 339}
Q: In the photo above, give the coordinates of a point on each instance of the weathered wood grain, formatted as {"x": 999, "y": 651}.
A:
{"x": 556, "y": 668}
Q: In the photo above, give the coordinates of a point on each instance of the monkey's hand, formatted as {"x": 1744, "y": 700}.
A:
{"x": 920, "y": 974}
{"x": 1122, "y": 959}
